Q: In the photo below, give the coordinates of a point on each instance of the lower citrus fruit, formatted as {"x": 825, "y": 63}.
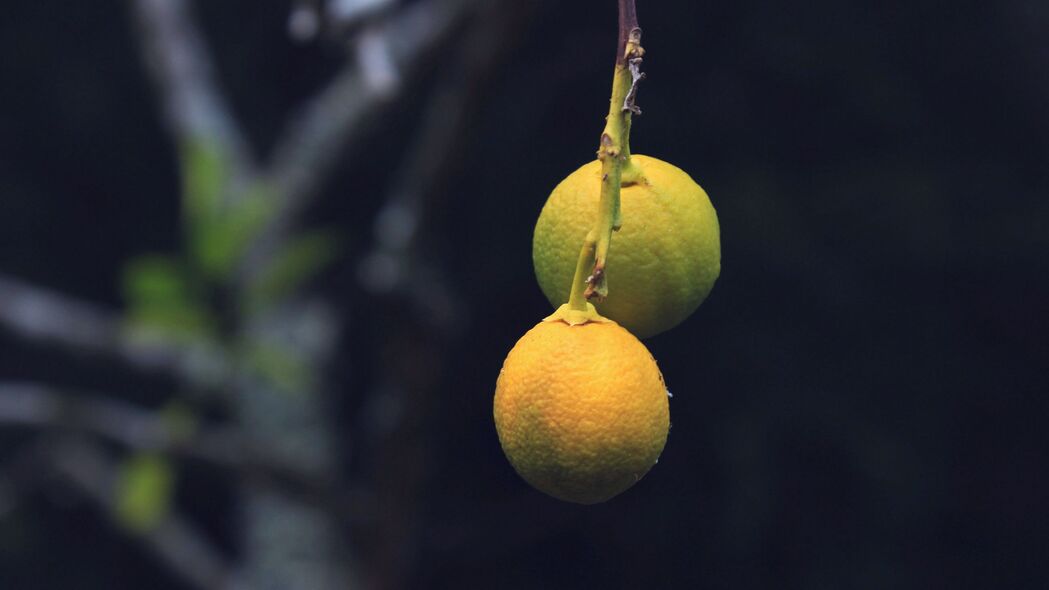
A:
{"x": 663, "y": 262}
{"x": 581, "y": 410}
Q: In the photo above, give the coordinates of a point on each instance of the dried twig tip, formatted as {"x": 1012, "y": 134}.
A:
{"x": 636, "y": 75}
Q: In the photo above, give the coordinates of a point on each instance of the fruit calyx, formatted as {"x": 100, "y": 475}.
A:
{"x": 577, "y": 317}
{"x": 632, "y": 174}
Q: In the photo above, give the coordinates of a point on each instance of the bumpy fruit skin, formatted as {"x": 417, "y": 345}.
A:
{"x": 663, "y": 262}
{"x": 581, "y": 411}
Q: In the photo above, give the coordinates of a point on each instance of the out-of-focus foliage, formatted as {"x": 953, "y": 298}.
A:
{"x": 219, "y": 229}
{"x": 143, "y": 492}
{"x": 163, "y": 297}
{"x": 297, "y": 262}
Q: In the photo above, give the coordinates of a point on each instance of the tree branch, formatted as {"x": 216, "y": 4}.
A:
{"x": 627, "y": 26}
{"x": 326, "y": 126}
{"x": 174, "y": 541}
{"x": 178, "y": 60}
{"x": 402, "y": 264}
{"x": 41, "y": 407}
{"x": 394, "y": 265}
{"x": 37, "y": 314}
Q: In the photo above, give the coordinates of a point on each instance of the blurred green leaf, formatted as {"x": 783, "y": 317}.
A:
{"x": 283, "y": 368}
{"x": 144, "y": 490}
{"x": 159, "y": 296}
{"x": 218, "y": 230}
{"x": 154, "y": 278}
{"x": 299, "y": 261}
{"x": 204, "y": 178}
{"x": 218, "y": 243}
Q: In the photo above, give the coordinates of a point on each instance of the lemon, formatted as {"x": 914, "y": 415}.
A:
{"x": 663, "y": 262}
{"x": 581, "y": 411}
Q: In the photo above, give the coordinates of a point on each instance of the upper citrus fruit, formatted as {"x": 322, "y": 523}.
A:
{"x": 582, "y": 410}
{"x": 661, "y": 264}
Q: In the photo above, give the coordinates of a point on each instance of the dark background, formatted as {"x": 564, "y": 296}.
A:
{"x": 859, "y": 404}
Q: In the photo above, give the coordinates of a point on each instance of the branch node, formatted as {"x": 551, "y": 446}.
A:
{"x": 596, "y": 284}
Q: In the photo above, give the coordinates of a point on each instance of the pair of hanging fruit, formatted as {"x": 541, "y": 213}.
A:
{"x": 581, "y": 408}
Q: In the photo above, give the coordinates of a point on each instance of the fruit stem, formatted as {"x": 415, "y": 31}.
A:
{"x": 616, "y": 167}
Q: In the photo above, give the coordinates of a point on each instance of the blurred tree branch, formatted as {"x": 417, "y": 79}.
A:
{"x": 393, "y": 264}
{"x": 174, "y": 540}
{"x": 178, "y": 59}
{"x": 402, "y": 265}
{"x": 44, "y": 407}
{"x": 40, "y": 315}
{"x": 329, "y": 124}
{"x": 388, "y": 50}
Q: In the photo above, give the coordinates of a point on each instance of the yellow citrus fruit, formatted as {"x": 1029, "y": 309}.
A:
{"x": 663, "y": 262}
{"x": 581, "y": 410}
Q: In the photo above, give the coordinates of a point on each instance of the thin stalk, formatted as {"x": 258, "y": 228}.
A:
{"x": 614, "y": 153}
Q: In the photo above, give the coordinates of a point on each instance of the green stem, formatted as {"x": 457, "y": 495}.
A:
{"x": 614, "y": 154}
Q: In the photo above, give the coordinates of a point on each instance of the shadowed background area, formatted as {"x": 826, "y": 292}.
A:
{"x": 858, "y": 404}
